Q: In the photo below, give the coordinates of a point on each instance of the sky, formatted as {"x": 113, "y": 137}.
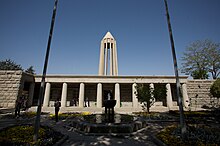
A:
{"x": 139, "y": 27}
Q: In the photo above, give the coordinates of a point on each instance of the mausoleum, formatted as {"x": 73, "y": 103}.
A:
{"x": 81, "y": 93}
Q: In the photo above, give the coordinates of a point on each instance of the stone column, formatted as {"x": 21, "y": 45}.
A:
{"x": 115, "y": 59}
{"x": 81, "y": 94}
{"x": 101, "y": 59}
{"x": 64, "y": 95}
{"x": 47, "y": 95}
{"x": 185, "y": 96}
{"x": 117, "y": 95}
{"x": 106, "y": 60}
{"x": 111, "y": 60}
{"x": 31, "y": 94}
{"x": 99, "y": 95}
{"x": 134, "y": 96}
{"x": 169, "y": 96}
{"x": 152, "y": 89}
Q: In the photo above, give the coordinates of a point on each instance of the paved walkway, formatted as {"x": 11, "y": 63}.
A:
{"x": 140, "y": 138}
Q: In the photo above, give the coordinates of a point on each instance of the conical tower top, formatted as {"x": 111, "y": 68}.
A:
{"x": 108, "y": 64}
{"x": 108, "y": 35}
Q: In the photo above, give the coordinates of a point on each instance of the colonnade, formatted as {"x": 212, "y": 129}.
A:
{"x": 99, "y": 96}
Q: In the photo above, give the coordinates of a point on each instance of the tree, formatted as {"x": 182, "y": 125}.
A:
{"x": 215, "y": 89}
{"x": 30, "y": 70}
{"x": 200, "y": 74}
{"x": 144, "y": 95}
{"x": 160, "y": 91}
{"x": 213, "y": 60}
{"x": 147, "y": 94}
{"x": 200, "y": 58}
{"x": 9, "y": 65}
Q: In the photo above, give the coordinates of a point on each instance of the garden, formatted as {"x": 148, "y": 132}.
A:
{"x": 202, "y": 127}
{"x": 23, "y": 135}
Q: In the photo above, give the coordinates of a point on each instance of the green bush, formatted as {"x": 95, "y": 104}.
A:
{"x": 215, "y": 88}
{"x": 63, "y": 116}
{"x": 19, "y": 134}
{"x": 196, "y": 135}
{"x": 23, "y": 135}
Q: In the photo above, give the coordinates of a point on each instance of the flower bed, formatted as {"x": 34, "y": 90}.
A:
{"x": 118, "y": 118}
{"x": 23, "y": 135}
{"x": 23, "y": 115}
{"x": 153, "y": 116}
{"x": 196, "y": 135}
{"x": 63, "y": 116}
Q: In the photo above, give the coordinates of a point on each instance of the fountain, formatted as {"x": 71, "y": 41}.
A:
{"x": 109, "y": 122}
{"x": 109, "y": 110}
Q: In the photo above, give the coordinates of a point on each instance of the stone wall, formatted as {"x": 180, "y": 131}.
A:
{"x": 10, "y": 82}
{"x": 199, "y": 93}
{"x": 13, "y": 84}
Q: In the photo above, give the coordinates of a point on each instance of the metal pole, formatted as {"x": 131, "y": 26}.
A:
{"x": 178, "y": 91}
{"x": 40, "y": 100}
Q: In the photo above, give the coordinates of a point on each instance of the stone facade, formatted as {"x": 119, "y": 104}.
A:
{"x": 65, "y": 87}
{"x": 9, "y": 87}
{"x": 199, "y": 93}
{"x": 94, "y": 88}
{"x": 12, "y": 84}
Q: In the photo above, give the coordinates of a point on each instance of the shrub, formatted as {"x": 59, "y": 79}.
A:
{"x": 19, "y": 134}
{"x": 66, "y": 115}
{"x": 215, "y": 88}
{"x": 196, "y": 135}
{"x": 23, "y": 135}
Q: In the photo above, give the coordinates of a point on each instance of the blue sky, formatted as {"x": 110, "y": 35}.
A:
{"x": 139, "y": 26}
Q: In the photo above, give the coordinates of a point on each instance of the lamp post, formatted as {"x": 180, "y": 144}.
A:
{"x": 178, "y": 91}
{"x": 37, "y": 119}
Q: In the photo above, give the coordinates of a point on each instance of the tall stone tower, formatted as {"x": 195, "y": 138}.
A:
{"x": 108, "y": 64}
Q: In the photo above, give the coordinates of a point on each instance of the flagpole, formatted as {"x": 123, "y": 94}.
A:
{"x": 178, "y": 89}
{"x": 40, "y": 100}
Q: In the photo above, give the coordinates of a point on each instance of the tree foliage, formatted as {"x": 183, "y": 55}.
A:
{"x": 200, "y": 74}
{"x": 215, "y": 88}
{"x": 200, "y": 58}
{"x": 147, "y": 94}
{"x": 144, "y": 95}
{"x": 30, "y": 70}
{"x": 160, "y": 92}
{"x": 213, "y": 60}
{"x": 9, "y": 65}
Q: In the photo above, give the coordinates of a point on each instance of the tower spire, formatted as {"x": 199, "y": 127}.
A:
{"x": 108, "y": 64}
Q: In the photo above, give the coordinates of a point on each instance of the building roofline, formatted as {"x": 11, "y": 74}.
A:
{"x": 104, "y": 76}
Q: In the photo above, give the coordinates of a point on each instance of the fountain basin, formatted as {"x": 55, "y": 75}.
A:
{"x": 124, "y": 124}
{"x": 109, "y": 103}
